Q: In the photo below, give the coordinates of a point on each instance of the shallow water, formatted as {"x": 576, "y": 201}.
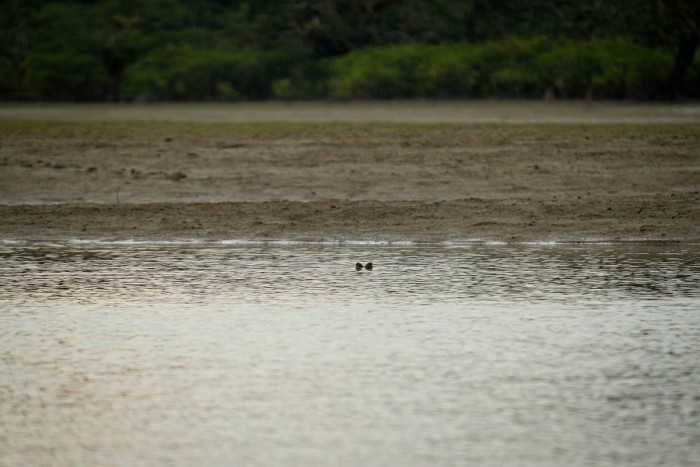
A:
{"x": 209, "y": 354}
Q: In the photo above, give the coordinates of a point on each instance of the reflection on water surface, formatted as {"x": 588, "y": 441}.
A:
{"x": 285, "y": 355}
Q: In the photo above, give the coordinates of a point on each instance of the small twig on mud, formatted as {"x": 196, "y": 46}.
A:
{"x": 118, "y": 188}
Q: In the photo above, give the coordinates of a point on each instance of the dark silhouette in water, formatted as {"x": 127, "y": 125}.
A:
{"x": 368, "y": 266}
{"x": 358, "y": 266}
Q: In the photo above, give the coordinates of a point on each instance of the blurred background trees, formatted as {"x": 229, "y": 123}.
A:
{"x": 117, "y": 50}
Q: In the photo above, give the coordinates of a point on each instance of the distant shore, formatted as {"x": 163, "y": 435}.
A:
{"x": 171, "y": 173}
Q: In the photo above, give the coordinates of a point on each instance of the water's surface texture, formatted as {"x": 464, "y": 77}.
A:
{"x": 148, "y": 354}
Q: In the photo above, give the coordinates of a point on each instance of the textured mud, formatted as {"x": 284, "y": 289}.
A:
{"x": 338, "y": 181}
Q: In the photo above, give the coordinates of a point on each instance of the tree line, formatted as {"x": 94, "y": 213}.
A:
{"x": 140, "y": 50}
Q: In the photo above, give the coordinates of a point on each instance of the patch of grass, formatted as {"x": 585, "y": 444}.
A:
{"x": 278, "y": 130}
{"x": 204, "y": 129}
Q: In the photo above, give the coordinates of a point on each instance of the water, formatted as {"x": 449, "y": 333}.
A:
{"x": 211, "y": 354}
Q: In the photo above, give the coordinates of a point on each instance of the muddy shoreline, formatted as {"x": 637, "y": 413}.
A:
{"x": 658, "y": 218}
{"x": 386, "y": 181}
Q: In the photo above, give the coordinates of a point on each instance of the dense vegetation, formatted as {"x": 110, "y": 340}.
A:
{"x": 291, "y": 49}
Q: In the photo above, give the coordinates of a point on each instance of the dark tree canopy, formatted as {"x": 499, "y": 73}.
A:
{"x": 257, "y": 49}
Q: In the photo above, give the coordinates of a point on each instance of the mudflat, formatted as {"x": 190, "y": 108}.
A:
{"x": 577, "y": 173}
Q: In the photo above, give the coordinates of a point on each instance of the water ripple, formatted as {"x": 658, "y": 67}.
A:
{"x": 215, "y": 354}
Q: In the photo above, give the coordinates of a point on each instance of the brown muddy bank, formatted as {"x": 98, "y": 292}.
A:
{"x": 664, "y": 218}
{"x": 295, "y": 179}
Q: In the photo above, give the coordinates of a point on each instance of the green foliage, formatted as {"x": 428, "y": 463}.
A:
{"x": 9, "y": 77}
{"x": 184, "y": 73}
{"x": 691, "y": 86}
{"x": 615, "y": 69}
{"x": 305, "y": 79}
{"x": 452, "y": 71}
{"x": 513, "y": 67}
{"x": 301, "y": 49}
{"x": 382, "y": 73}
{"x": 507, "y": 67}
{"x": 65, "y": 76}
{"x": 569, "y": 69}
{"x": 62, "y": 28}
